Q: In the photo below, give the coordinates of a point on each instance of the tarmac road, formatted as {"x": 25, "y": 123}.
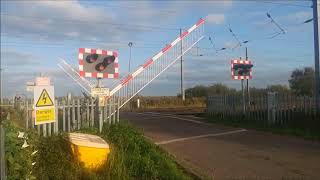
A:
{"x": 221, "y": 152}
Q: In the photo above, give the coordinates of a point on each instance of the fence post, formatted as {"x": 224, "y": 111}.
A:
{"x": 118, "y": 110}
{"x": 109, "y": 112}
{"x": 88, "y": 114}
{"x": 44, "y": 129}
{"x": 27, "y": 114}
{"x": 78, "y": 115}
{"x": 73, "y": 115}
{"x": 100, "y": 109}
{"x": 92, "y": 112}
{"x": 63, "y": 116}
{"x": 56, "y": 124}
{"x": 49, "y": 129}
{"x": 114, "y": 110}
{"x": 69, "y": 114}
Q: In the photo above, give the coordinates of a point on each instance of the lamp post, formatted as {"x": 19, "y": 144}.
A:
{"x": 130, "y": 45}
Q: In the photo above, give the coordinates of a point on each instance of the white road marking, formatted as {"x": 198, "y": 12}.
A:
{"x": 186, "y": 115}
{"x": 175, "y": 117}
{"x": 200, "y": 136}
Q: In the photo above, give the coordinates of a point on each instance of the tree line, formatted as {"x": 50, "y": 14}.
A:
{"x": 301, "y": 83}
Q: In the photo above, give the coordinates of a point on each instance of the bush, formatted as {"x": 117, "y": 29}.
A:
{"x": 18, "y": 160}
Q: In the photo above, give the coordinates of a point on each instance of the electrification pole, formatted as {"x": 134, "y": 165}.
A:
{"x": 182, "y": 88}
{"x": 248, "y": 93}
{"x": 316, "y": 9}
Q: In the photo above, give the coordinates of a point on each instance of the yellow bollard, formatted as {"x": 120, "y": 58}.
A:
{"x": 91, "y": 150}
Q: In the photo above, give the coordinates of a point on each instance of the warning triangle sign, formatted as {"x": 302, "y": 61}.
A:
{"x": 44, "y": 99}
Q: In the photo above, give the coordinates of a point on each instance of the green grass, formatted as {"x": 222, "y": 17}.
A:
{"x": 135, "y": 157}
{"x": 132, "y": 157}
{"x": 310, "y": 134}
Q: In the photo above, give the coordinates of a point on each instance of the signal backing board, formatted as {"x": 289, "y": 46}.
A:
{"x": 241, "y": 69}
{"x": 44, "y": 104}
{"x": 98, "y": 63}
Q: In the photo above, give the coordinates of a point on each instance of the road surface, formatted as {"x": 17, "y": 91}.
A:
{"x": 221, "y": 152}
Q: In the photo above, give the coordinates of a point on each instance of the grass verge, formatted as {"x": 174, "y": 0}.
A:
{"x": 132, "y": 157}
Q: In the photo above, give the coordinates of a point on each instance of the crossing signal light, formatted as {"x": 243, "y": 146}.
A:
{"x": 105, "y": 63}
{"x": 241, "y": 69}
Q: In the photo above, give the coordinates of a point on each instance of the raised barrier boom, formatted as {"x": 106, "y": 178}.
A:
{"x": 132, "y": 84}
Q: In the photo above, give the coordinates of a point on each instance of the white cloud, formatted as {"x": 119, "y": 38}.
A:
{"x": 230, "y": 44}
{"x": 215, "y": 18}
{"x": 16, "y": 59}
{"x": 55, "y": 20}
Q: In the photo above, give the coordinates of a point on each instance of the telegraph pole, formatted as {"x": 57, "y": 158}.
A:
{"x": 316, "y": 9}
{"x": 182, "y": 76}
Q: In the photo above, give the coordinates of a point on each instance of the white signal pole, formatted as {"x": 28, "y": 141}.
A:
{"x": 316, "y": 9}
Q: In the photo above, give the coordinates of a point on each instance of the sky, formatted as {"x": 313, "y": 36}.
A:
{"x": 35, "y": 34}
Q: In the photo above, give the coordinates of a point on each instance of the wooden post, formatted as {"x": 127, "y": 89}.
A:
{"x": 73, "y": 115}
{"x": 68, "y": 112}
{"x": 92, "y": 112}
{"x": 56, "y": 124}
{"x": 78, "y": 115}
{"x": 118, "y": 110}
{"x": 44, "y": 129}
{"x": 27, "y": 114}
{"x": 63, "y": 116}
{"x": 114, "y": 111}
{"x": 88, "y": 114}
{"x": 49, "y": 129}
{"x": 109, "y": 112}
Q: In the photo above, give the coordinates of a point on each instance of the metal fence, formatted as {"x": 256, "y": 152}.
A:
{"x": 271, "y": 108}
{"x": 71, "y": 114}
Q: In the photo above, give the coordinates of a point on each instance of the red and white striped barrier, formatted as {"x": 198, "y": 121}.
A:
{"x": 127, "y": 79}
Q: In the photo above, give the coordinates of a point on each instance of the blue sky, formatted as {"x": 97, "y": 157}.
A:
{"x": 34, "y": 34}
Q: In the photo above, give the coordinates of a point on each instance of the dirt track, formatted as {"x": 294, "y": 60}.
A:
{"x": 221, "y": 152}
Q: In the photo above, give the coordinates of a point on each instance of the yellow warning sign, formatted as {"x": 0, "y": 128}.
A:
{"x": 44, "y": 116}
{"x": 44, "y": 99}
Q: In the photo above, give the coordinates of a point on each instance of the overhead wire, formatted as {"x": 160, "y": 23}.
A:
{"x": 283, "y": 4}
{"x": 76, "y": 21}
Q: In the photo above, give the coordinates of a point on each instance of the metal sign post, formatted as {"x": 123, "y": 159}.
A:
{"x": 241, "y": 70}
